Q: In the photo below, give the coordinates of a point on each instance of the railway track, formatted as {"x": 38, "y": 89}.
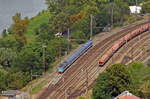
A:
{"x": 93, "y": 75}
{"x": 71, "y": 75}
{"x": 132, "y": 44}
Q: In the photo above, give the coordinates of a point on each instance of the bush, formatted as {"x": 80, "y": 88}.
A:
{"x": 146, "y": 8}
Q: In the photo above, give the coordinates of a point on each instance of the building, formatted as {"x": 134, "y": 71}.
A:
{"x": 12, "y": 94}
{"x": 135, "y": 9}
{"x": 126, "y": 95}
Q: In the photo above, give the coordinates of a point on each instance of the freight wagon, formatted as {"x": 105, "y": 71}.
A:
{"x": 122, "y": 41}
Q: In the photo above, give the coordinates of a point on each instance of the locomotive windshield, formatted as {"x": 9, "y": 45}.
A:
{"x": 63, "y": 64}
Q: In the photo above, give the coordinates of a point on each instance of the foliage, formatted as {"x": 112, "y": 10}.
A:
{"x": 8, "y": 43}
{"x": 103, "y": 18}
{"x": 15, "y": 80}
{"x": 139, "y": 75}
{"x": 110, "y": 84}
{"x": 136, "y": 70}
{"x": 82, "y": 27}
{"x": 101, "y": 88}
{"x": 146, "y": 8}
{"x": 60, "y": 22}
{"x": 6, "y": 56}
{"x": 36, "y": 22}
{"x": 19, "y": 27}
{"x": 81, "y": 97}
{"x": 45, "y": 34}
{"x": 78, "y": 35}
{"x": 36, "y": 88}
{"x": 148, "y": 63}
{"x": 4, "y": 33}
{"x": 145, "y": 89}
{"x": 21, "y": 44}
{"x": 120, "y": 79}
{"x": 3, "y": 76}
{"x": 28, "y": 60}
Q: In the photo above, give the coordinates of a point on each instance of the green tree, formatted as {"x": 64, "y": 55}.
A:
{"x": 3, "y": 76}
{"x": 6, "y": 56}
{"x": 79, "y": 35}
{"x": 28, "y": 60}
{"x": 8, "y": 43}
{"x": 4, "y": 33}
{"x": 15, "y": 80}
{"x": 145, "y": 89}
{"x": 83, "y": 26}
{"x": 19, "y": 27}
{"x": 101, "y": 88}
{"x": 146, "y": 8}
{"x": 45, "y": 33}
{"x": 148, "y": 63}
{"x": 103, "y": 18}
{"x": 120, "y": 79}
{"x": 60, "y": 22}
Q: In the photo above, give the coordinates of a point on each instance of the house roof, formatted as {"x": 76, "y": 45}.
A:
{"x": 128, "y": 97}
{"x": 10, "y": 93}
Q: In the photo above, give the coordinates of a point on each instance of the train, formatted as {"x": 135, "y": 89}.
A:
{"x": 122, "y": 41}
{"x": 71, "y": 59}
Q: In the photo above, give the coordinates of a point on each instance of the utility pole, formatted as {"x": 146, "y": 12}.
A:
{"x": 60, "y": 54}
{"x": 86, "y": 81}
{"x": 136, "y": 5}
{"x": 132, "y": 53}
{"x": 112, "y": 58}
{"x": 112, "y": 17}
{"x": 63, "y": 80}
{"x": 91, "y": 27}
{"x": 31, "y": 74}
{"x": 66, "y": 94}
{"x": 44, "y": 47}
{"x": 68, "y": 40}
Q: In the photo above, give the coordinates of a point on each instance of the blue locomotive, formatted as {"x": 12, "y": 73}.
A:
{"x": 67, "y": 63}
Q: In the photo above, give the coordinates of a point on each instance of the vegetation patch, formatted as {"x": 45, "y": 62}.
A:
{"x": 41, "y": 18}
{"x": 37, "y": 87}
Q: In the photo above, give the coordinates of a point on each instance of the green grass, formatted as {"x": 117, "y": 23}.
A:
{"x": 37, "y": 87}
{"x": 138, "y": 73}
{"x": 37, "y": 21}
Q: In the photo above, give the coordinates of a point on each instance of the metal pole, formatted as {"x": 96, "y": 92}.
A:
{"x": 132, "y": 54}
{"x": 86, "y": 81}
{"x": 91, "y": 27}
{"x": 112, "y": 58}
{"x": 31, "y": 74}
{"x": 139, "y": 38}
{"x": 136, "y": 6}
{"x": 66, "y": 94}
{"x": 60, "y": 54}
{"x": 63, "y": 82}
{"x": 44, "y": 69}
{"x": 112, "y": 17}
{"x": 68, "y": 39}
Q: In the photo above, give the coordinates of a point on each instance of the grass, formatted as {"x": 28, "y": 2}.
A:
{"x": 138, "y": 73}
{"x": 37, "y": 87}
